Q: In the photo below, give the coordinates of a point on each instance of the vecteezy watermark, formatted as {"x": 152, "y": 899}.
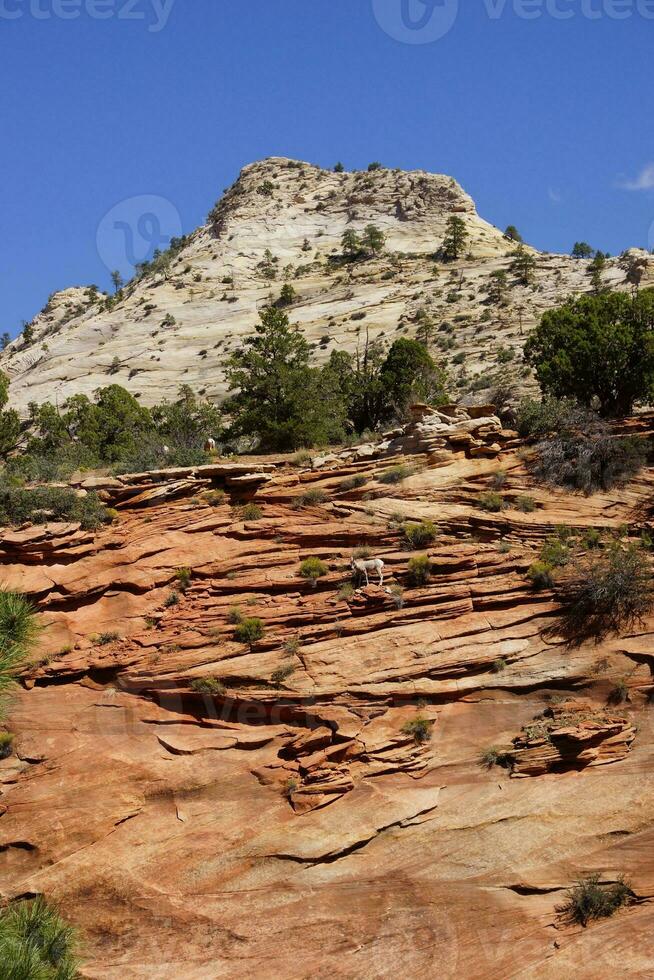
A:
{"x": 416, "y": 21}
{"x": 154, "y": 13}
{"x": 426, "y": 21}
{"x": 134, "y": 229}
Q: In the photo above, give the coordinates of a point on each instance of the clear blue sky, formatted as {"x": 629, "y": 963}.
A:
{"x": 539, "y": 119}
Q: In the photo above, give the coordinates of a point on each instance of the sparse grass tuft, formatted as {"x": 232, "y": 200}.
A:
{"x": 282, "y": 673}
{"x": 207, "y": 685}
{"x": 311, "y": 498}
{"x": 419, "y": 728}
{"x": 6, "y": 744}
{"x": 495, "y": 757}
{"x": 525, "y": 504}
{"x": 490, "y": 501}
{"x": 396, "y": 474}
{"x": 183, "y": 576}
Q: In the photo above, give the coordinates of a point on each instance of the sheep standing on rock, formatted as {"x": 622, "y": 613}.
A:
{"x": 365, "y": 565}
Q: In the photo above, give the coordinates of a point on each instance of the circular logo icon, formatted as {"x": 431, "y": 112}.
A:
{"x": 133, "y": 230}
{"x": 416, "y": 21}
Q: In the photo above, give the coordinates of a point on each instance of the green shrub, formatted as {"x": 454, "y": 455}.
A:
{"x": 352, "y": 483}
{"x": 419, "y": 728}
{"x": 313, "y": 569}
{"x": 207, "y": 685}
{"x": 540, "y": 574}
{"x": 592, "y": 539}
{"x": 311, "y": 498}
{"x": 499, "y": 666}
{"x": 183, "y": 576}
{"x": 555, "y": 553}
{"x": 396, "y": 474}
{"x": 619, "y": 694}
{"x": 495, "y": 757}
{"x": 235, "y": 616}
{"x": 214, "y": 497}
{"x": 282, "y": 673}
{"x": 420, "y": 570}
{"x": 591, "y": 898}
{"x": 104, "y": 639}
{"x": 172, "y": 599}
{"x": 346, "y": 591}
{"x": 490, "y": 501}
{"x": 419, "y": 535}
{"x": 525, "y": 504}
{"x": 249, "y": 631}
{"x": 36, "y": 944}
{"x": 251, "y": 512}
{"x": 44, "y": 504}
{"x": 6, "y": 744}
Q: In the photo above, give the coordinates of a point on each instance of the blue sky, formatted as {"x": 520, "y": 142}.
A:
{"x": 540, "y": 119}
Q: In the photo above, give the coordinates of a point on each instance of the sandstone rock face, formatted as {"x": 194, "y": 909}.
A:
{"x": 289, "y": 820}
{"x": 181, "y": 326}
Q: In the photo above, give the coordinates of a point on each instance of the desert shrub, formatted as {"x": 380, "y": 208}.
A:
{"x": 419, "y": 728}
{"x": 490, "y": 501}
{"x": 540, "y": 574}
{"x": 172, "y": 599}
{"x": 301, "y": 457}
{"x": 419, "y": 535}
{"x": 282, "y": 673}
{"x": 235, "y": 616}
{"x": 352, "y": 483}
{"x": 36, "y": 944}
{"x": 313, "y": 569}
{"x": 292, "y": 645}
{"x": 525, "y": 504}
{"x": 43, "y": 504}
{"x": 592, "y": 539}
{"x": 620, "y": 693}
{"x": 540, "y": 418}
{"x": 183, "y": 576}
{"x": 495, "y": 757}
{"x": 498, "y": 479}
{"x": 249, "y": 631}
{"x": 251, "y": 512}
{"x": 555, "y": 553}
{"x": 396, "y": 474}
{"x": 346, "y": 591}
{"x": 311, "y": 498}
{"x": 214, "y": 497}
{"x": 207, "y": 685}
{"x": 419, "y": 570}
{"x": 104, "y": 639}
{"x": 499, "y": 666}
{"x": 611, "y": 591}
{"x": 591, "y": 898}
{"x": 582, "y": 454}
{"x": 6, "y": 744}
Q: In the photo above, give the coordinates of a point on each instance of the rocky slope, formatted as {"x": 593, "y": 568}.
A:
{"x": 178, "y": 327}
{"x": 282, "y": 823}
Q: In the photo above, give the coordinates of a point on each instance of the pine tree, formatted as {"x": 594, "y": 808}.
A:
{"x": 456, "y": 237}
{"x": 524, "y": 265}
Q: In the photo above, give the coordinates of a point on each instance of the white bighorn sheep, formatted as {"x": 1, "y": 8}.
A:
{"x": 366, "y": 565}
{"x": 210, "y": 446}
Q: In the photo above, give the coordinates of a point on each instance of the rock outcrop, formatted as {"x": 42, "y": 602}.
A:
{"x": 313, "y": 803}
{"x": 283, "y": 221}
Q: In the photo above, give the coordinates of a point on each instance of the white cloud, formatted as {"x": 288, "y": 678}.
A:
{"x": 643, "y": 182}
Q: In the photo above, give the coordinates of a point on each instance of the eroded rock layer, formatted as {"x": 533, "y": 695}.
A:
{"x": 204, "y": 808}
